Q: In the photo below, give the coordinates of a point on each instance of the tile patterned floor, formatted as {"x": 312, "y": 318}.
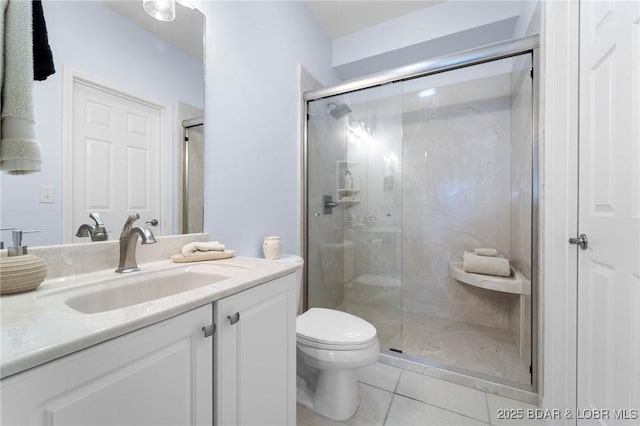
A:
{"x": 394, "y": 397}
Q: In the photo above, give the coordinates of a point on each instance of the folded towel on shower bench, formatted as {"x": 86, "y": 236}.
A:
{"x": 488, "y": 265}
{"x": 195, "y": 248}
{"x": 486, "y": 252}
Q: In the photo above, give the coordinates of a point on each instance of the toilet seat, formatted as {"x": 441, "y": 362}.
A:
{"x": 333, "y": 347}
{"x": 330, "y": 329}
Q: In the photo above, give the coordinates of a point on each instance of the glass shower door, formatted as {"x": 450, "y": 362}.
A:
{"x": 354, "y": 207}
{"x": 403, "y": 180}
{"x": 467, "y": 167}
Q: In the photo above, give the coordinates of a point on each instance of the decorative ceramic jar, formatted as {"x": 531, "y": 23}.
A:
{"x": 21, "y": 273}
{"x": 272, "y": 247}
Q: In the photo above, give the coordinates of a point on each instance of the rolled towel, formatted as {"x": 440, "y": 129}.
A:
{"x": 193, "y": 249}
{"x": 487, "y": 265}
{"x": 486, "y": 252}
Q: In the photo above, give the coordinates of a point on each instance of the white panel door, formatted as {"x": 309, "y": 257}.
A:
{"x": 116, "y": 158}
{"x": 609, "y": 212}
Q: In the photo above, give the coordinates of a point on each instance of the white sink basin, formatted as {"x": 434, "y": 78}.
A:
{"x": 132, "y": 289}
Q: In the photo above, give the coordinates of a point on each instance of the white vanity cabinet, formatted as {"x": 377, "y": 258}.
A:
{"x": 255, "y": 355}
{"x": 174, "y": 372}
{"x": 158, "y": 375}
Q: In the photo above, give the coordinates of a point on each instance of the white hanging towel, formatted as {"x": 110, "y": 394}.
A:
{"x": 20, "y": 152}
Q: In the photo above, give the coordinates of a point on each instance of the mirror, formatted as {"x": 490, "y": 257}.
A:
{"x": 117, "y": 45}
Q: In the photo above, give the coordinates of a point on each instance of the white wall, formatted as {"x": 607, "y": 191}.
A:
{"x": 251, "y": 116}
{"x": 91, "y": 38}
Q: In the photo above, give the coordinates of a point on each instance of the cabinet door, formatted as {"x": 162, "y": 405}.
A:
{"x": 255, "y": 359}
{"x": 158, "y": 375}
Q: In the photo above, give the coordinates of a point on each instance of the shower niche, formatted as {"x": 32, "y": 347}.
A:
{"x": 348, "y": 183}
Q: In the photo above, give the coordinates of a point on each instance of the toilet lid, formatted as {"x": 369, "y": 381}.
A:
{"x": 333, "y": 327}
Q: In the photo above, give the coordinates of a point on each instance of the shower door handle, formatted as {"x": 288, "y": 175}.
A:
{"x": 328, "y": 204}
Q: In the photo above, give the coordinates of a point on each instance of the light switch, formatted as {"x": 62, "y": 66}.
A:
{"x": 47, "y": 194}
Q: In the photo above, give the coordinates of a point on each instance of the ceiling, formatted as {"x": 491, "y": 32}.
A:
{"x": 339, "y": 18}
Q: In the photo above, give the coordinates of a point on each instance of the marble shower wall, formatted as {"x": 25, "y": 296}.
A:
{"x": 456, "y": 193}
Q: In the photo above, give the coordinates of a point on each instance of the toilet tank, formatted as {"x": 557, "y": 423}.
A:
{"x": 338, "y": 262}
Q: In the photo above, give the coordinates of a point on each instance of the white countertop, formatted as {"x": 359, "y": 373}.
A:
{"x": 37, "y": 327}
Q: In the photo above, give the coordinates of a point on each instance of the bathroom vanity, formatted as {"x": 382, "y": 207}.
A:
{"x": 220, "y": 353}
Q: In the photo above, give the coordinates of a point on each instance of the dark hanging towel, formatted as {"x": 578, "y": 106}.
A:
{"x": 42, "y": 56}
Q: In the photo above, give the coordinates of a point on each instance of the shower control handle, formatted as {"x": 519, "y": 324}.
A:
{"x": 582, "y": 241}
{"x": 328, "y": 204}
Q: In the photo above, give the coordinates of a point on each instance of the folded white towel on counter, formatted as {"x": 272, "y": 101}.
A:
{"x": 486, "y": 252}
{"x": 194, "y": 248}
{"x": 488, "y": 265}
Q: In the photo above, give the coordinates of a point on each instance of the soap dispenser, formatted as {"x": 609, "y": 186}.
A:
{"x": 20, "y": 271}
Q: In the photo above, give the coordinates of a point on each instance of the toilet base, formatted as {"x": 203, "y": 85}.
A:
{"x": 336, "y": 395}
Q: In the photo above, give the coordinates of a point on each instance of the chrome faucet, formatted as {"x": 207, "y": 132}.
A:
{"x": 128, "y": 242}
{"x": 97, "y": 232}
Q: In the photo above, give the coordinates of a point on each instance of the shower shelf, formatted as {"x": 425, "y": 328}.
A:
{"x": 349, "y": 190}
{"x": 515, "y": 283}
{"x": 348, "y": 197}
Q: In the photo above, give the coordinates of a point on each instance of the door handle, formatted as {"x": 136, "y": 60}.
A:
{"x": 234, "y": 318}
{"x": 582, "y": 241}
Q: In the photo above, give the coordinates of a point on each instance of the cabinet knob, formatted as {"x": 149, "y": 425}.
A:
{"x": 234, "y": 318}
{"x": 209, "y": 330}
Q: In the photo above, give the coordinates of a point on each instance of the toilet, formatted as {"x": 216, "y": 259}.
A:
{"x": 331, "y": 346}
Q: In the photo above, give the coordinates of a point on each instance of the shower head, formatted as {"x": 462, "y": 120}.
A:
{"x": 338, "y": 111}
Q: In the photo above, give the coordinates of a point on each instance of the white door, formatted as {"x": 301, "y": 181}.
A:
{"x": 116, "y": 144}
{"x": 609, "y": 211}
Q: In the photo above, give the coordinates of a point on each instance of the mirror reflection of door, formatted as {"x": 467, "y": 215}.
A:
{"x": 116, "y": 142}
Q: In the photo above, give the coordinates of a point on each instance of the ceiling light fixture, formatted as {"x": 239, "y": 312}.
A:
{"x": 165, "y": 10}
{"x": 162, "y": 10}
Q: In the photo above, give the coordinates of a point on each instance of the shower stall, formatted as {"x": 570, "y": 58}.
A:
{"x": 405, "y": 171}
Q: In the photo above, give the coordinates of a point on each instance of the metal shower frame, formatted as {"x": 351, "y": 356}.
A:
{"x": 467, "y": 58}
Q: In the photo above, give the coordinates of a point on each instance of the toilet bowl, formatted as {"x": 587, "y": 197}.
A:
{"x": 332, "y": 346}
